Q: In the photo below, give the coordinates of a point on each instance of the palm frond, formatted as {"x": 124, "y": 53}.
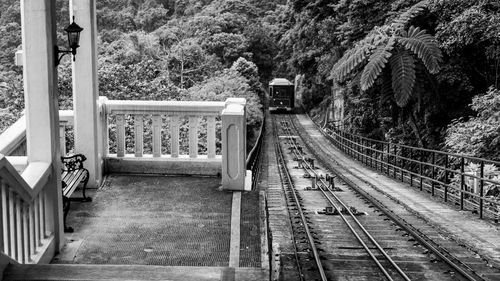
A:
{"x": 349, "y": 61}
{"x": 424, "y": 46}
{"x": 402, "y": 20}
{"x": 403, "y": 77}
{"x": 376, "y": 64}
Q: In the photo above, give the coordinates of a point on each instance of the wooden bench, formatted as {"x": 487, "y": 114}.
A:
{"x": 73, "y": 174}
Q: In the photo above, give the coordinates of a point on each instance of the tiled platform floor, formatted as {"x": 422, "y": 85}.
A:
{"x": 171, "y": 221}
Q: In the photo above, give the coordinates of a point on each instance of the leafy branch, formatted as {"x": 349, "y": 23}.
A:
{"x": 394, "y": 45}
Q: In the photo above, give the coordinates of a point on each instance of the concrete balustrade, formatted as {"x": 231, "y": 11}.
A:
{"x": 233, "y": 142}
{"x": 13, "y": 139}
{"x": 192, "y": 163}
{"x": 25, "y": 223}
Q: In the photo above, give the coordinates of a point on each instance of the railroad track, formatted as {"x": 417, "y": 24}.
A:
{"x": 341, "y": 234}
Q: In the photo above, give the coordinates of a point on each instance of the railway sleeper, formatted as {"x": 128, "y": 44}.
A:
{"x": 331, "y": 211}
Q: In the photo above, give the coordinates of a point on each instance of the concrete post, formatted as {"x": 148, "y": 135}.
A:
{"x": 40, "y": 93}
{"x": 102, "y": 134}
{"x": 85, "y": 89}
{"x": 234, "y": 144}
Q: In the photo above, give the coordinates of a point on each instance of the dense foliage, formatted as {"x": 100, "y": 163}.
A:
{"x": 480, "y": 135}
{"x": 159, "y": 50}
{"x": 406, "y": 68}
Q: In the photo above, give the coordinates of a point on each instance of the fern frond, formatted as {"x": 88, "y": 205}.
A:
{"x": 402, "y": 20}
{"x": 376, "y": 64}
{"x": 403, "y": 77}
{"x": 386, "y": 92}
{"x": 349, "y": 61}
{"x": 424, "y": 46}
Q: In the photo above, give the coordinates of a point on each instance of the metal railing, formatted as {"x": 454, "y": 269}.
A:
{"x": 470, "y": 182}
{"x": 253, "y": 159}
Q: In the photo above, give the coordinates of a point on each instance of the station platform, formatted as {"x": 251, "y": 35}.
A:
{"x": 447, "y": 223}
{"x": 178, "y": 227}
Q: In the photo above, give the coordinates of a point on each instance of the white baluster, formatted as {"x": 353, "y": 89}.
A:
{"x": 139, "y": 135}
{"x": 156, "y": 135}
{"x": 12, "y": 225}
{"x": 193, "y": 136}
{"x": 36, "y": 209}
{"x": 62, "y": 139}
{"x": 5, "y": 218}
{"x": 174, "y": 127}
{"x": 19, "y": 231}
{"x": 120, "y": 135}
{"x": 32, "y": 228}
{"x": 41, "y": 205}
{"x": 211, "y": 136}
{"x": 26, "y": 233}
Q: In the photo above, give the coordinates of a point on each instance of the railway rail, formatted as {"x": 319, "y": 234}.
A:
{"x": 341, "y": 233}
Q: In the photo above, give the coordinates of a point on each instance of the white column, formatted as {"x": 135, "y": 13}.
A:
{"x": 40, "y": 93}
{"x": 85, "y": 89}
{"x": 234, "y": 144}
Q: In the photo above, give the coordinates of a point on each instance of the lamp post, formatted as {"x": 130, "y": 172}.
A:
{"x": 73, "y": 30}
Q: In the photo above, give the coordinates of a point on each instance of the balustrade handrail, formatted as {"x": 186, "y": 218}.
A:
{"x": 13, "y": 136}
{"x": 170, "y": 107}
{"x": 30, "y": 183}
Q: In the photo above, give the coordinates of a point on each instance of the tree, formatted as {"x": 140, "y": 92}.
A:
{"x": 250, "y": 71}
{"x": 230, "y": 84}
{"x": 480, "y": 135}
{"x": 394, "y": 45}
{"x": 227, "y": 46}
{"x": 151, "y": 16}
{"x": 189, "y": 64}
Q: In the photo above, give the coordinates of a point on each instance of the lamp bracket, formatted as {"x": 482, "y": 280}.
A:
{"x": 59, "y": 54}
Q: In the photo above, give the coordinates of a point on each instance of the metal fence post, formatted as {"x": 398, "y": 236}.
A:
{"x": 421, "y": 169}
{"x": 395, "y": 159}
{"x": 462, "y": 183}
{"x": 411, "y": 168}
{"x": 433, "y": 172}
{"x": 387, "y": 160}
{"x": 446, "y": 178}
{"x": 481, "y": 189}
{"x": 402, "y": 163}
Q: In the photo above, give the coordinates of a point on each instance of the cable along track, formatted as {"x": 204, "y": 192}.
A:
{"x": 347, "y": 236}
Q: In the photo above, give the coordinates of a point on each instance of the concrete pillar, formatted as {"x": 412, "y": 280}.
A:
{"x": 102, "y": 134}
{"x": 234, "y": 144}
{"x": 85, "y": 89}
{"x": 338, "y": 105}
{"x": 40, "y": 93}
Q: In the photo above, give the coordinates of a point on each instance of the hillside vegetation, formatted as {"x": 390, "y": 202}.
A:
{"x": 424, "y": 73}
{"x": 407, "y": 68}
{"x": 159, "y": 50}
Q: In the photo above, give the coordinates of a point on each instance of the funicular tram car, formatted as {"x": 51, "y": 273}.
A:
{"x": 281, "y": 95}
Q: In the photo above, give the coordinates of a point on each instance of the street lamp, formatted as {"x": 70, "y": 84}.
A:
{"x": 73, "y": 31}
